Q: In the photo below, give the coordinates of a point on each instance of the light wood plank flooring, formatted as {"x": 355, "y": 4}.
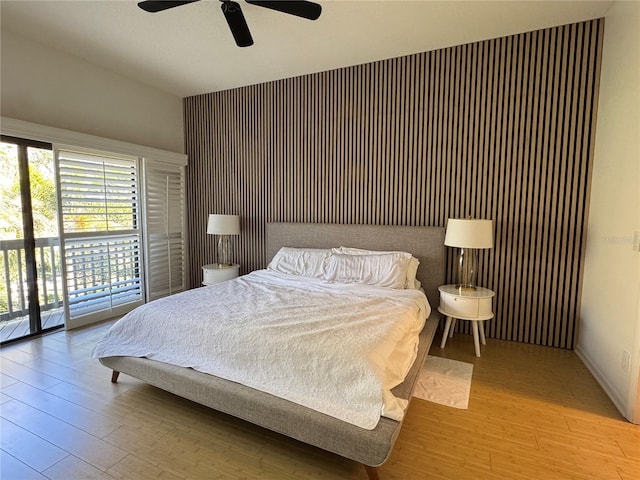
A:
{"x": 534, "y": 413}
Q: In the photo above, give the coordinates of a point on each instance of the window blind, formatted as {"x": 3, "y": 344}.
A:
{"x": 164, "y": 229}
{"x": 100, "y": 210}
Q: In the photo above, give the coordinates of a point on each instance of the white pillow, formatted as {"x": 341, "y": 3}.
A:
{"x": 412, "y": 269}
{"x": 304, "y": 262}
{"x": 382, "y": 270}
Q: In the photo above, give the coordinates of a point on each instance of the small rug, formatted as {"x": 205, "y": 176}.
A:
{"x": 445, "y": 381}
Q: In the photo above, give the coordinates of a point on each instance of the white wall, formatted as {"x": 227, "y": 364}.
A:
{"x": 49, "y": 87}
{"x": 610, "y": 317}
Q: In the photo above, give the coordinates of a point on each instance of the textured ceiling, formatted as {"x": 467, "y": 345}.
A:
{"x": 189, "y": 50}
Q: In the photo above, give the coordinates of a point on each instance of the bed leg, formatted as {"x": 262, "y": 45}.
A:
{"x": 114, "y": 376}
{"x": 372, "y": 472}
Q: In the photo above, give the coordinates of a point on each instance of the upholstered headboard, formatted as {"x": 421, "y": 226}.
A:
{"x": 424, "y": 243}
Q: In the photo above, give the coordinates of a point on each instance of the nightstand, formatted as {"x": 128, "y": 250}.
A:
{"x": 212, "y": 273}
{"x": 473, "y": 305}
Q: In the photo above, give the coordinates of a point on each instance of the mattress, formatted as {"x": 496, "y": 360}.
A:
{"x": 337, "y": 349}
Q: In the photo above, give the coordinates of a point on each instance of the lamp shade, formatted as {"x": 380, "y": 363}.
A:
{"x": 469, "y": 233}
{"x": 223, "y": 224}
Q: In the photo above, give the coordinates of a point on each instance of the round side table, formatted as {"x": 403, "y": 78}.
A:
{"x": 461, "y": 304}
{"x": 213, "y": 273}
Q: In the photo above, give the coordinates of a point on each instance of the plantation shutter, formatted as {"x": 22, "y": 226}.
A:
{"x": 164, "y": 229}
{"x": 100, "y": 235}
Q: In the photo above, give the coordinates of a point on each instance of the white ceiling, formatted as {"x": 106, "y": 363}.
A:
{"x": 189, "y": 50}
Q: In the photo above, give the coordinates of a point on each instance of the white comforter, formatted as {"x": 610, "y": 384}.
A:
{"x": 338, "y": 349}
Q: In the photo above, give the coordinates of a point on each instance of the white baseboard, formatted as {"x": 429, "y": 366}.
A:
{"x": 611, "y": 392}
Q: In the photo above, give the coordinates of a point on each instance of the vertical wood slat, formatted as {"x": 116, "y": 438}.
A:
{"x": 499, "y": 129}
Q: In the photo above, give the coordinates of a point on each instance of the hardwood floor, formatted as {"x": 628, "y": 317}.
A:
{"x": 534, "y": 413}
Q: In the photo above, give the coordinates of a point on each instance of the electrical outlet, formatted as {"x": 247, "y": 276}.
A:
{"x": 626, "y": 360}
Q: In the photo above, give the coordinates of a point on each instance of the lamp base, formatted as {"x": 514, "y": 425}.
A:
{"x": 224, "y": 256}
{"x": 466, "y": 288}
{"x": 467, "y": 263}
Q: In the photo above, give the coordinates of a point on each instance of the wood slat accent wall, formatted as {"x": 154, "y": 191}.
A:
{"x": 500, "y": 129}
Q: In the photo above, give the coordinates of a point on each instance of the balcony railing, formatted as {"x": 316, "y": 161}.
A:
{"x": 13, "y": 286}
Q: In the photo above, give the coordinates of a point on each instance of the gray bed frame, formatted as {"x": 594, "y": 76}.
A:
{"x": 369, "y": 447}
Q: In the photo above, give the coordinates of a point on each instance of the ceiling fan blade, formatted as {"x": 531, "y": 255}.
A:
{"x": 237, "y": 23}
{"x": 154, "y": 6}
{"x": 308, "y": 10}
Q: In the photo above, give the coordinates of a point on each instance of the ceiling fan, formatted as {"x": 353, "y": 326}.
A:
{"x": 235, "y": 18}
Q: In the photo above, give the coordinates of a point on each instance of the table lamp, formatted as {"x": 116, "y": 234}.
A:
{"x": 468, "y": 234}
{"x": 223, "y": 226}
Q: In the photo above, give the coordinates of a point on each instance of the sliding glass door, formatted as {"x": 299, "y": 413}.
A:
{"x": 84, "y": 231}
{"x": 30, "y": 261}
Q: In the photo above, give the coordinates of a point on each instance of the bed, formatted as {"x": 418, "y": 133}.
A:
{"x": 370, "y": 447}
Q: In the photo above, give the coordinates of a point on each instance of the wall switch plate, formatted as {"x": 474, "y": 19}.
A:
{"x": 626, "y": 361}
{"x": 636, "y": 241}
